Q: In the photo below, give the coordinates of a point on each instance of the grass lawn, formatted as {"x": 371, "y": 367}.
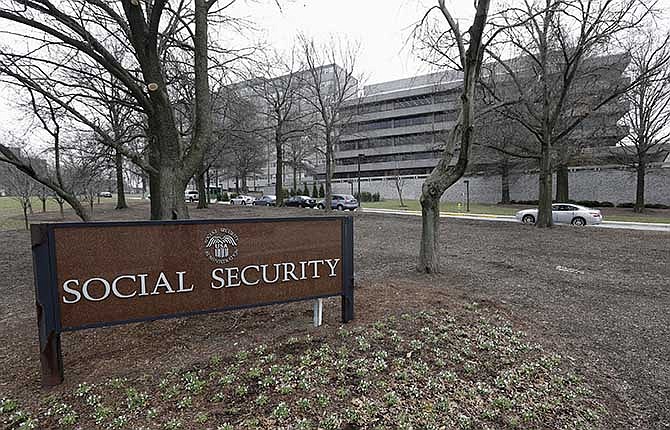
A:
{"x": 11, "y": 214}
{"x": 475, "y": 208}
{"x": 609, "y": 214}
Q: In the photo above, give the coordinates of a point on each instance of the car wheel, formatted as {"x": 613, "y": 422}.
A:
{"x": 528, "y": 219}
{"x": 340, "y": 207}
{"x": 579, "y": 221}
{"x": 321, "y": 206}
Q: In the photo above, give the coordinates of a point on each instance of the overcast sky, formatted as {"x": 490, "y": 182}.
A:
{"x": 381, "y": 26}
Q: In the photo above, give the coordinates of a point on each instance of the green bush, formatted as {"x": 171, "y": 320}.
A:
{"x": 224, "y": 197}
{"x": 305, "y": 191}
{"x": 322, "y": 191}
{"x": 375, "y": 197}
{"x": 315, "y": 191}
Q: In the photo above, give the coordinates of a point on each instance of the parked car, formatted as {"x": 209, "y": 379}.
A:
{"x": 191, "y": 195}
{"x": 300, "y": 202}
{"x": 106, "y": 194}
{"x": 267, "y": 200}
{"x": 564, "y": 213}
{"x": 242, "y": 200}
{"x": 341, "y": 202}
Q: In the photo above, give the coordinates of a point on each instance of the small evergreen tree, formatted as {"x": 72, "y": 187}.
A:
{"x": 305, "y": 191}
{"x": 315, "y": 191}
{"x": 322, "y": 192}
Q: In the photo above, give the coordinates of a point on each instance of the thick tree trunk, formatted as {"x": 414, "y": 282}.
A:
{"x": 544, "y": 218}
{"x": 504, "y": 179}
{"x": 562, "y": 184}
{"x": 120, "y": 189}
{"x": 639, "y": 188}
{"x": 429, "y": 256}
{"x": 202, "y": 190}
{"x": 167, "y": 194}
{"x": 279, "y": 171}
{"x": 166, "y": 184}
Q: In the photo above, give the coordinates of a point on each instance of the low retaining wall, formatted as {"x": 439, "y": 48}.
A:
{"x": 611, "y": 185}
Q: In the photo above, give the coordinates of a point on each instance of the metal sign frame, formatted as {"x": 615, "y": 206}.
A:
{"x": 47, "y": 297}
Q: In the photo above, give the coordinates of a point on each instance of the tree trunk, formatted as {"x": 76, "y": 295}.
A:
{"x": 295, "y": 180}
{"x": 639, "y": 188}
{"x": 329, "y": 173}
{"x": 120, "y": 190}
{"x": 544, "y": 218}
{"x": 504, "y": 178}
{"x": 44, "y": 204}
{"x": 61, "y": 209}
{"x": 167, "y": 194}
{"x": 562, "y": 184}
{"x": 25, "y": 214}
{"x": 443, "y": 175}
{"x": 279, "y": 171}
{"x": 429, "y": 256}
{"x": 202, "y": 190}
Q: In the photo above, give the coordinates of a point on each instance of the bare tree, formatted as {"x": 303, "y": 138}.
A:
{"x": 276, "y": 84}
{"x": 649, "y": 113}
{"x": 399, "y": 183}
{"x": 328, "y": 83}
{"x": 77, "y": 35}
{"x": 469, "y": 49}
{"x": 21, "y": 187}
{"x": 556, "y": 46}
{"x": 241, "y": 141}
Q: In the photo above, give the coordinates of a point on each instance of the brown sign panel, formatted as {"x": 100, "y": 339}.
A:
{"x": 97, "y": 274}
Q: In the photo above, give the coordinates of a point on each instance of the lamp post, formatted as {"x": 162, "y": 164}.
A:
{"x": 360, "y": 157}
{"x": 467, "y": 195}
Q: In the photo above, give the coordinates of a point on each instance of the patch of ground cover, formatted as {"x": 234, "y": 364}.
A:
{"x": 430, "y": 370}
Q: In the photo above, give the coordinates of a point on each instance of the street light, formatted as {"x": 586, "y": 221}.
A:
{"x": 360, "y": 199}
{"x": 467, "y": 195}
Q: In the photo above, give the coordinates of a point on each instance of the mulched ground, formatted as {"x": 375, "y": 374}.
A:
{"x": 599, "y": 297}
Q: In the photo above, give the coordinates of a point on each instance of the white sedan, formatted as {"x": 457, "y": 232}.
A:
{"x": 564, "y": 213}
{"x": 242, "y": 200}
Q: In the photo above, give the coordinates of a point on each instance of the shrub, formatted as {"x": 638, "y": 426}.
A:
{"x": 315, "y": 191}
{"x": 364, "y": 197}
{"x": 656, "y": 206}
{"x": 224, "y": 197}
{"x": 626, "y": 205}
{"x": 233, "y": 195}
{"x": 305, "y": 191}
{"x": 322, "y": 191}
{"x": 375, "y": 197}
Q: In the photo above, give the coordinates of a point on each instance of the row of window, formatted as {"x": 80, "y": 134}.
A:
{"x": 394, "y": 172}
{"x": 404, "y": 103}
{"x": 381, "y": 142}
{"x": 426, "y": 118}
{"x": 390, "y": 157}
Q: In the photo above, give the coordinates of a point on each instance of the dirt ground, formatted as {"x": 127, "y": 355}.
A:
{"x": 598, "y": 296}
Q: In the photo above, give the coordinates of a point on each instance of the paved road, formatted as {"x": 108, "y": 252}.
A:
{"x": 509, "y": 218}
